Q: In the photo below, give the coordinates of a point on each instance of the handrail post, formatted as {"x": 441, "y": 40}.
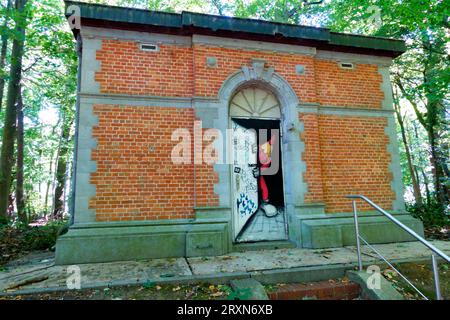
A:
{"x": 437, "y": 285}
{"x": 358, "y": 244}
{"x": 435, "y": 251}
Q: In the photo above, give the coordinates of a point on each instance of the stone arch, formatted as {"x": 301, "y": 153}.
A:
{"x": 268, "y": 79}
{"x": 292, "y": 146}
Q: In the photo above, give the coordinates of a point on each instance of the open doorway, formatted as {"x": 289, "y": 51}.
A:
{"x": 258, "y": 191}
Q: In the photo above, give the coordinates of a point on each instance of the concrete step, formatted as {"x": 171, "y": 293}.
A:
{"x": 263, "y": 245}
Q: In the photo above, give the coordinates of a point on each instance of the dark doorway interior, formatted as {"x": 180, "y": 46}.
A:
{"x": 274, "y": 182}
{"x": 261, "y": 226}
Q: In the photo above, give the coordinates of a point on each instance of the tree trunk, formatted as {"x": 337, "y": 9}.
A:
{"x": 47, "y": 187}
{"x": 3, "y": 50}
{"x": 427, "y": 189}
{"x": 50, "y": 180}
{"x": 20, "y": 201}
{"x": 438, "y": 172}
{"x": 415, "y": 184}
{"x": 61, "y": 169}
{"x": 49, "y": 184}
{"x": 435, "y": 116}
{"x": 9, "y": 129}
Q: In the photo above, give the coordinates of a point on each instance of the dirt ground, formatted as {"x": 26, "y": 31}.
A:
{"x": 149, "y": 291}
{"x": 421, "y": 275}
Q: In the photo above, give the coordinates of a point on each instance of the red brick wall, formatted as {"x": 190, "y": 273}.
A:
{"x": 205, "y": 180}
{"x": 182, "y": 72}
{"x": 134, "y": 182}
{"x": 343, "y": 154}
{"x": 125, "y": 69}
{"x": 354, "y": 159}
{"x": 205, "y": 176}
{"x": 209, "y": 80}
{"x": 359, "y": 87}
{"x": 312, "y": 157}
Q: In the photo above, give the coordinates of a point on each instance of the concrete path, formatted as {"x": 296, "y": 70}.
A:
{"x": 37, "y": 272}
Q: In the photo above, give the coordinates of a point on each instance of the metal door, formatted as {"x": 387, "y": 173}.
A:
{"x": 245, "y": 185}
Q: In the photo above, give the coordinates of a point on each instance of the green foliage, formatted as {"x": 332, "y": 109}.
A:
{"x": 18, "y": 239}
{"x": 432, "y": 214}
{"x": 50, "y": 68}
{"x": 43, "y": 237}
{"x": 49, "y": 90}
{"x": 157, "y": 5}
{"x": 3, "y": 221}
{"x": 421, "y": 75}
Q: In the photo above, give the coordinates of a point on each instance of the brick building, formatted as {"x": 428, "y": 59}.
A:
{"x": 143, "y": 76}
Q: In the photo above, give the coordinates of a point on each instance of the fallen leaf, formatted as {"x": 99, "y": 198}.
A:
{"x": 217, "y": 294}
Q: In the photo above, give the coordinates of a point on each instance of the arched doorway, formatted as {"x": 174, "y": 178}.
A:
{"x": 257, "y": 175}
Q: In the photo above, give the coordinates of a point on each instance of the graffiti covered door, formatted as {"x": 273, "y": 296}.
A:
{"x": 245, "y": 185}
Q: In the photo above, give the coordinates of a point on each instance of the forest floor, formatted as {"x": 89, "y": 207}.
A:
{"x": 148, "y": 291}
{"x": 18, "y": 241}
{"x": 437, "y": 233}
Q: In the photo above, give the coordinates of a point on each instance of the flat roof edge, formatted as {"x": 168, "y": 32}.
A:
{"x": 187, "y": 21}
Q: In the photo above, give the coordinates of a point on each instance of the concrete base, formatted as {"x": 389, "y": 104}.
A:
{"x": 337, "y": 231}
{"x": 104, "y": 242}
{"x": 120, "y": 241}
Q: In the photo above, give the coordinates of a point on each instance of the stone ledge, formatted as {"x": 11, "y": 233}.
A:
{"x": 89, "y": 245}
{"x": 219, "y": 212}
{"x": 310, "y": 208}
{"x": 338, "y": 232}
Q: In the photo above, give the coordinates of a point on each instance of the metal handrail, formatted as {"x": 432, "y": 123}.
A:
{"x": 435, "y": 251}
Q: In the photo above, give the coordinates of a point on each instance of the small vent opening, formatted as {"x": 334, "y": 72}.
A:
{"x": 346, "y": 65}
{"x": 149, "y": 47}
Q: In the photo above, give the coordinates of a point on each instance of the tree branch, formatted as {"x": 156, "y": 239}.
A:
{"x": 419, "y": 115}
